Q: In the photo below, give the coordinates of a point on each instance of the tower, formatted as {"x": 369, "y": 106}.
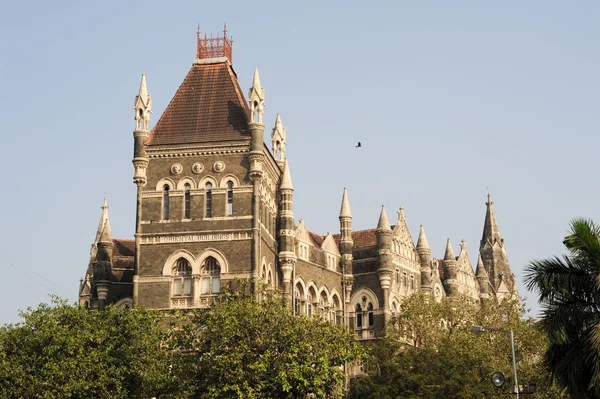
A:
{"x": 493, "y": 253}
{"x": 346, "y": 246}
{"x": 142, "y": 108}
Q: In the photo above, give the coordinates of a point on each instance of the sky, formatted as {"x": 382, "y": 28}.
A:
{"x": 451, "y": 100}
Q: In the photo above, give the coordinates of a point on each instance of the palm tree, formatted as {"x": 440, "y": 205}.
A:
{"x": 569, "y": 294}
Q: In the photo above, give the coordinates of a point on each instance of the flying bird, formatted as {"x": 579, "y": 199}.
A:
{"x": 358, "y": 145}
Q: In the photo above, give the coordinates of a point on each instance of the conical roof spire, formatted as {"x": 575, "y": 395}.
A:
{"x": 491, "y": 233}
{"x": 143, "y": 94}
{"x": 256, "y": 80}
{"x": 103, "y": 221}
{"x": 384, "y": 223}
{"x": 480, "y": 270}
{"x": 449, "y": 255}
{"x": 286, "y": 178}
{"x": 422, "y": 241}
{"x": 345, "y": 210}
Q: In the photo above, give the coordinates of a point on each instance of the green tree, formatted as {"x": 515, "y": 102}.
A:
{"x": 569, "y": 294}
{"x": 249, "y": 348}
{"x": 63, "y": 351}
{"x": 432, "y": 353}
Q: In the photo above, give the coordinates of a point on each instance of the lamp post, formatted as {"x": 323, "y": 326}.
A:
{"x": 480, "y": 329}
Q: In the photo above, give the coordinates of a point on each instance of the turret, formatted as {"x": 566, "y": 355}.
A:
{"x": 143, "y": 109}
{"x": 386, "y": 268}
{"x": 482, "y": 279}
{"x": 346, "y": 246}
{"x": 278, "y": 140}
{"x": 256, "y": 98}
{"x": 450, "y": 270}
{"x": 287, "y": 254}
{"x": 102, "y": 266}
{"x": 424, "y": 259}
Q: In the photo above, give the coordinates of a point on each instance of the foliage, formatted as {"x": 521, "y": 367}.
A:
{"x": 249, "y": 348}
{"x": 431, "y": 352}
{"x": 569, "y": 293}
{"x": 242, "y": 348}
{"x": 62, "y": 351}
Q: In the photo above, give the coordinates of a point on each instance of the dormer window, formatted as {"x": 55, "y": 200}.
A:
{"x": 303, "y": 251}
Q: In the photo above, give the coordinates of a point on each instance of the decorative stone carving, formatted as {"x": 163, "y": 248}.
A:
{"x": 219, "y": 166}
{"x": 176, "y": 168}
{"x": 197, "y": 167}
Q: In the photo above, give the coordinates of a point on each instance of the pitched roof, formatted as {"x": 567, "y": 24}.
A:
{"x": 123, "y": 247}
{"x": 361, "y": 238}
{"x": 209, "y": 106}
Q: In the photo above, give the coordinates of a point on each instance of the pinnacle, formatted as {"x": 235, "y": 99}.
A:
{"x": 384, "y": 223}
{"x": 491, "y": 232}
{"x": 286, "y": 178}
{"x": 345, "y": 210}
{"x": 256, "y": 80}
{"x": 449, "y": 255}
{"x": 422, "y": 241}
{"x": 480, "y": 270}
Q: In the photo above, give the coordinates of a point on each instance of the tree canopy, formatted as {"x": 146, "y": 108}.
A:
{"x": 431, "y": 352}
{"x": 569, "y": 294}
{"x": 242, "y": 347}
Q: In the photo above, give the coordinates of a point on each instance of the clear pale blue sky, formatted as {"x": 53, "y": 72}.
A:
{"x": 450, "y": 99}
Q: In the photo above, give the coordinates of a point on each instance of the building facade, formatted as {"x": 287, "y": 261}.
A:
{"x": 215, "y": 205}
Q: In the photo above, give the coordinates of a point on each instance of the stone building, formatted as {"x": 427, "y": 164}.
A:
{"x": 215, "y": 204}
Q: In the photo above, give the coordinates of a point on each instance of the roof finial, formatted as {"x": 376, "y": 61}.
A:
{"x": 401, "y": 215}
{"x": 449, "y": 255}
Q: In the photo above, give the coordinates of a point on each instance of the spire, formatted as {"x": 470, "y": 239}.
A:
{"x": 106, "y": 236}
{"x": 491, "y": 233}
{"x": 480, "y": 270}
{"x": 286, "y": 178}
{"x": 345, "y": 210}
{"x": 422, "y": 241}
{"x": 278, "y": 140}
{"x": 384, "y": 223}
{"x": 103, "y": 222}
{"x": 142, "y": 106}
{"x": 256, "y": 98}
{"x": 449, "y": 255}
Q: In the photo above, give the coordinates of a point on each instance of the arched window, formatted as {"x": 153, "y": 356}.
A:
{"x": 208, "y": 187}
{"x": 359, "y": 316}
{"x": 309, "y": 305}
{"x": 365, "y": 317}
{"x": 370, "y": 314}
{"x": 165, "y": 209}
{"x": 210, "y": 276}
{"x": 229, "y": 198}
{"x": 182, "y": 278}
{"x": 186, "y": 202}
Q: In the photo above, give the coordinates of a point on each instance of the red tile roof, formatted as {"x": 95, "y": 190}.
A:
{"x": 362, "y": 238}
{"x": 123, "y": 247}
{"x": 208, "y": 106}
{"x": 316, "y": 239}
